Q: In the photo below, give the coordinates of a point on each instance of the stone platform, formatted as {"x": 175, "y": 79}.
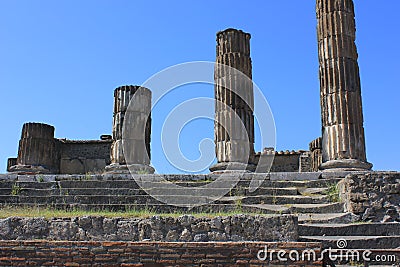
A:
{"x": 278, "y": 193}
{"x": 307, "y": 207}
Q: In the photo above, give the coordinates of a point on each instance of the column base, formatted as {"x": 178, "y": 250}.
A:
{"x": 221, "y": 167}
{"x": 116, "y": 168}
{"x": 345, "y": 165}
{"x": 30, "y": 169}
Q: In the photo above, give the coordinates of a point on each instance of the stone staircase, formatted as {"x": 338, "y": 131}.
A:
{"x": 357, "y": 235}
{"x": 379, "y": 241}
{"x": 274, "y": 196}
{"x": 311, "y": 196}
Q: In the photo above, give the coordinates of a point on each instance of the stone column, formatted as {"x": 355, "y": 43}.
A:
{"x": 10, "y": 163}
{"x": 234, "y": 143}
{"x": 139, "y": 119}
{"x": 37, "y": 151}
{"x": 343, "y": 144}
{"x": 316, "y": 156}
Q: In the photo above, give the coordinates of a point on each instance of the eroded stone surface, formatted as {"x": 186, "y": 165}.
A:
{"x": 184, "y": 228}
{"x": 341, "y": 106}
{"x": 138, "y": 119}
{"x": 234, "y": 122}
{"x": 375, "y": 196}
{"x": 37, "y": 152}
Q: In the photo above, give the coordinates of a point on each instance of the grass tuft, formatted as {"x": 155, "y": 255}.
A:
{"x": 6, "y": 212}
{"x": 332, "y": 192}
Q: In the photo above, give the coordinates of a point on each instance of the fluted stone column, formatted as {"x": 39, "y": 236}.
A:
{"x": 138, "y": 142}
{"x": 10, "y": 163}
{"x": 316, "y": 156}
{"x": 343, "y": 143}
{"x": 37, "y": 151}
{"x": 234, "y": 143}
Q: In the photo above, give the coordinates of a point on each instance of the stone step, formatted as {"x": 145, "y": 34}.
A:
{"x": 78, "y": 191}
{"x": 35, "y": 185}
{"x": 159, "y": 207}
{"x": 281, "y": 176}
{"x": 307, "y": 191}
{"x": 236, "y": 191}
{"x": 355, "y": 242}
{"x": 326, "y": 218}
{"x": 275, "y": 183}
{"x": 300, "y": 208}
{"x": 26, "y": 191}
{"x": 131, "y": 184}
{"x": 5, "y": 191}
{"x": 95, "y": 199}
{"x": 294, "y": 176}
{"x": 275, "y": 200}
{"x": 280, "y": 184}
{"x": 9, "y": 199}
{"x": 64, "y": 197}
{"x": 355, "y": 229}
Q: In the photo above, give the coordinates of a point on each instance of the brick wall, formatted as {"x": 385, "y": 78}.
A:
{"x": 69, "y": 253}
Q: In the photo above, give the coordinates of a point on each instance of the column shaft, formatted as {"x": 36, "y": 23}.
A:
{"x": 234, "y": 120}
{"x": 37, "y": 151}
{"x": 343, "y": 144}
{"x": 137, "y": 119}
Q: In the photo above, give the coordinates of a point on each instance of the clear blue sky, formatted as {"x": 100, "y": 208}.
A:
{"x": 61, "y": 60}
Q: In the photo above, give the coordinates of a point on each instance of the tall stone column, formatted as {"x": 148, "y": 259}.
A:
{"x": 343, "y": 143}
{"x": 37, "y": 151}
{"x": 234, "y": 120}
{"x": 139, "y": 118}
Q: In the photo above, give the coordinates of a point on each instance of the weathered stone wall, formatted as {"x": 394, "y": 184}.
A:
{"x": 375, "y": 196}
{"x": 286, "y": 162}
{"x": 184, "y": 228}
{"x": 289, "y": 161}
{"x": 64, "y": 253}
{"x": 79, "y": 157}
{"x": 40, "y": 152}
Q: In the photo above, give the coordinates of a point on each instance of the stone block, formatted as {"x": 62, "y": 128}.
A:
{"x": 8, "y": 177}
{"x": 293, "y": 176}
{"x": 371, "y": 195}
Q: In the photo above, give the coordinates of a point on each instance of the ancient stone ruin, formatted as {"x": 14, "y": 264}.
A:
{"x": 234, "y": 120}
{"x": 343, "y": 142}
{"x": 342, "y": 146}
{"x": 322, "y": 198}
{"x": 139, "y": 118}
{"x": 40, "y": 152}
